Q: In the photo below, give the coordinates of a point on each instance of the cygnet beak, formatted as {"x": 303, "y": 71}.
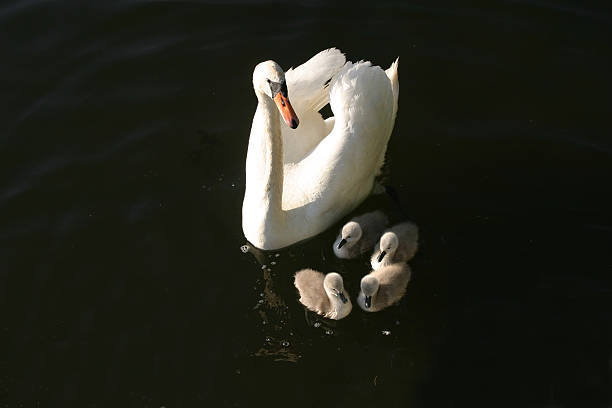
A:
{"x": 341, "y": 243}
{"x": 342, "y": 297}
{"x": 368, "y": 301}
{"x": 381, "y": 256}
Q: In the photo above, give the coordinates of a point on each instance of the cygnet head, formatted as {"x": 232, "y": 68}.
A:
{"x": 351, "y": 233}
{"x": 388, "y": 245}
{"x": 334, "y": 286}
{"x": 369, "y": 286}
{"x": 269, "y": 79}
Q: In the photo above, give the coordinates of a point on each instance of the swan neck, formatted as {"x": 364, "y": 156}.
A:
{"x": 274, "y": 171}
{"x": 265, "y": 158}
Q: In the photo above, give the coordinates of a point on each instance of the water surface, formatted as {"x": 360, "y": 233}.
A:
{"x": 124, "y": 133}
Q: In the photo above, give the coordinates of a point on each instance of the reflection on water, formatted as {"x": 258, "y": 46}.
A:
{"x": 273, "y": 312}
{"x": 382, "y": 345}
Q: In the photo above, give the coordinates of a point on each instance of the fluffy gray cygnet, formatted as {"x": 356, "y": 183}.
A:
{"x": 359, "y": 234}
{"x": 323, "y": 294}
{"x": 383, "y": 287}
{"x": 397, "y": 244}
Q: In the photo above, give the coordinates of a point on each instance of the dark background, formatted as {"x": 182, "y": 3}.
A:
{"x": 124, "y": 127}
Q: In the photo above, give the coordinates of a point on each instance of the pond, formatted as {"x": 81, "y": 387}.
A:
{"x": 123, "y": 144}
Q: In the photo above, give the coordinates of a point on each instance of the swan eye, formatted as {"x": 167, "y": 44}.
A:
{"x": 278, "y": 87}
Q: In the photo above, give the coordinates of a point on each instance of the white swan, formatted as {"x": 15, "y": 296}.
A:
{"x": 301, "y": 181}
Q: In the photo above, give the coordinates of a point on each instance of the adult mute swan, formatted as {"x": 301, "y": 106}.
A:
{"x": 304, "y": 173}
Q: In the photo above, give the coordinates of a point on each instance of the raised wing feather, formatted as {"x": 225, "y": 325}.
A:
{"x": 362, "y": 101}
{"x": 308, "y": 84}
{"x": 308, "y": 87}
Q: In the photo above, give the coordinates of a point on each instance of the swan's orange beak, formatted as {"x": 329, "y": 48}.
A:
{"x": 284, "y": 107}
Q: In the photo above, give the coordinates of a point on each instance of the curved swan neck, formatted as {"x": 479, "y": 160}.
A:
{"x": 264, "y": 167}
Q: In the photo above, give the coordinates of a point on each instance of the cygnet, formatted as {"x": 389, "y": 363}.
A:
{"x": 397, "y": 244}
{"x": 323, "y": 294}
{"x": 383, "y": 287}
{"x": 359, "y": 234}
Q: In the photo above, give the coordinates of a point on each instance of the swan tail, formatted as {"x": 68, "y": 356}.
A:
{"x": 392, "y": 74}
{"x": 362, "y": 102}
{"x": 393, "y": 77}
{"x": 308, "y": 83}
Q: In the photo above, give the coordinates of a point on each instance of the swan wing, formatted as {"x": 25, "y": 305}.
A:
{"x": 308, "y": 83}
{"x": 339, "y": 172}
{"x": 308, "y": 87}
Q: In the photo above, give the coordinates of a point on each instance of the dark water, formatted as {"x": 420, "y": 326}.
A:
{"x": 122, "y": 146}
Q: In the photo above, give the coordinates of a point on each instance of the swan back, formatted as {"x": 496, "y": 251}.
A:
{"x": 346, "y": 160}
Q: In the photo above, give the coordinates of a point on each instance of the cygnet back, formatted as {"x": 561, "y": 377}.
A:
{"x": 333, "y": 303}
{"x": 392, "y": 282}
{"x": 407, "y": 234}
{"x": 371, "y": 224}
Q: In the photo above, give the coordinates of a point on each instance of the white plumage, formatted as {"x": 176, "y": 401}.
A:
{"x": 301, "y": 181}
